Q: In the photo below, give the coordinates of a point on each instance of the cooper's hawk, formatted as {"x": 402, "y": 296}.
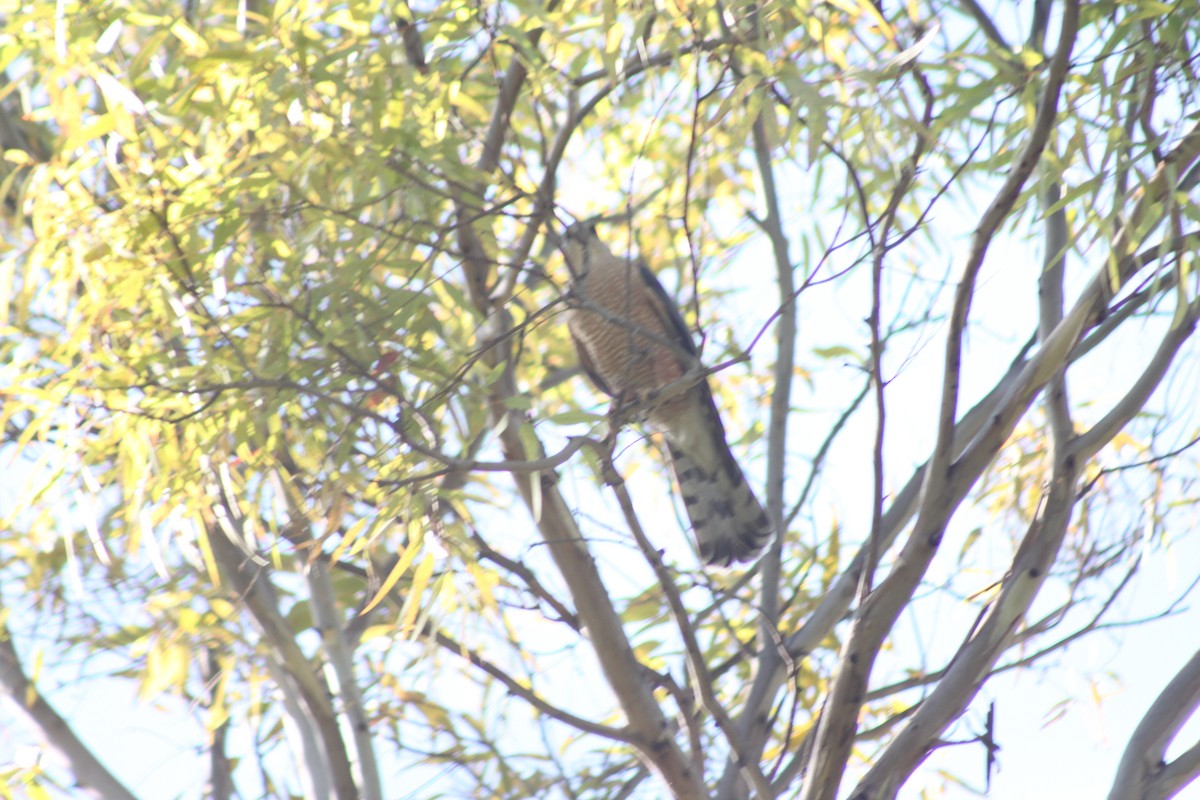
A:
{"x": 633, "y": 342}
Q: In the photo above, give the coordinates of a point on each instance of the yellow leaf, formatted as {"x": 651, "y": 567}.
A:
{"x": 166, "y": 667}
{"x": 469, "y": 106}
{"x": 189, "y": 620}
{"x": 406, "y": 559}
{"x": 143, "y": 20}
{"x": 216, "y": 717}
{"x": 412, "y": 603}
{"x": 193, "y": 42}
{"x": 884, "y": 26}
{"x": 485, "y": 581}
{"x": 344, "y": 19}
{"x": 374, "y": 632}
{"x": 222, "y": 608}
{"x": 352, "y": 535}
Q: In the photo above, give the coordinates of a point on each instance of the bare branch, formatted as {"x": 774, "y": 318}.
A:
{"x": 1180, "y": 772}
{"x": 1088, "y": 444}
{"x": 835, "y": 731}
{"x": 340, "y": 655}
{"x": 1143, "y": 773}
{"x": 529, "y": 577}
{"x": 702, "y": 679}
{"x": 593, "y": 602}
{"x": 220, "y": 774}
{"x": 92, "y": 779}
{"x": 985, "y": 24}
{"x": 325, "y": 758}
{"x": 785, "y": 361}
{"x": 517, "y": 689}
{"x": 987, "y": 641}
{"x": 1050, "y": 310}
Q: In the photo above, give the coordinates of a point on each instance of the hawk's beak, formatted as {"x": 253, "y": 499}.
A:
{"x": 582, "y": 231}
{"x": 576, "y": 243}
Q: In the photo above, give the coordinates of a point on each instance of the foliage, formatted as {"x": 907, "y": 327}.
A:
{"x": 296, "y": 433}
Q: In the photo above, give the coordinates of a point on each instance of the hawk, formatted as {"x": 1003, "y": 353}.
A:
{"x": 632, "y": 342}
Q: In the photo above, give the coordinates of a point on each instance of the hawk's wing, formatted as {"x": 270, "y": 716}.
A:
{"x": 589, "y": 367}
{"x": 666, "y": 311}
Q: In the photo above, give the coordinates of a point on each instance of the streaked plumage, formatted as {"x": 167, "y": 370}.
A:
{"x": 632, "y": 342}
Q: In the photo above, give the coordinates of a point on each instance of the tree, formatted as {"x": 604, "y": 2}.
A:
{"x": 301, "y": 439}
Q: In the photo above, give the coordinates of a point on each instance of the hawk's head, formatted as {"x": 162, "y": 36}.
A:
{"x": 578, "y": 245}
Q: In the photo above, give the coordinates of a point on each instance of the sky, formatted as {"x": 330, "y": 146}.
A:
{"x": 1112, "y": 677}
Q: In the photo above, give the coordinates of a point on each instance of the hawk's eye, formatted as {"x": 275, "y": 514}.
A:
{"x": 582, "y": 232}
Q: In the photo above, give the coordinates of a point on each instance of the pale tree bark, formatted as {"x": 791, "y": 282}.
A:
{"x": 1145, "y": 773}
{"x": 943, "y": 489}
{"x": 674, "y": 729}
{"x": 92, "y": 778}
{"x": 975, "y": 439}
{"x": 323, "y": 763}
{"x": 648, "y": 728}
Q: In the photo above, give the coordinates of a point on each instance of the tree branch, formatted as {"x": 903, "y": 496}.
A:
{"x": 325, "y": 759}
{"x": 703, "y": 680}
{"x": 1088, "y": 444}
{"x": 1143, "y": 773}
{"x": 528, "y": 695}
{"x": 92, "y": 779}
{"x": 220, "y": 773}
{"x": 986, "y": 642}
{"x": 785, "y": 361}
{"x": 986, "y": 25}
{"x": 340, "y": 655}
{"x": 648, "y": 727}
{"x": 836, "y": 728}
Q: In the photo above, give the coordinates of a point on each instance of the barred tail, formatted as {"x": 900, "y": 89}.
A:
{"x": 729, "y": 522}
